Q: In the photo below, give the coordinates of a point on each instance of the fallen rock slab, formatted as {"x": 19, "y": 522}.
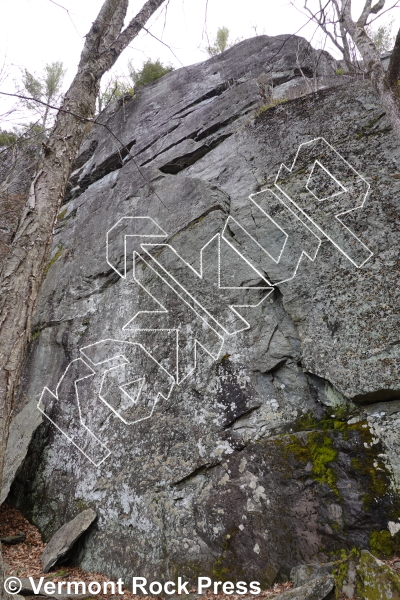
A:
{"x": 28, "y": 590}
{"x": 22, "y": 429}
{"x": 18, "y": 538}
{"x": 63, "y": 540}
{"x": 317, "y": 589}
{"x": 377, "y": 581}
{"x": 37, "y": 589}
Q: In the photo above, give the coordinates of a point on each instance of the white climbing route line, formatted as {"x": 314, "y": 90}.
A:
{"x": 326, "y": 213}
{"x": 194, "y": 310}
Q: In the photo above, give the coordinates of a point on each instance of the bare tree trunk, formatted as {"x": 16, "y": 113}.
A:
{"x": 25, "y": 263}
{"x": 24, "y": 267}
{"x": 384, "y": 83}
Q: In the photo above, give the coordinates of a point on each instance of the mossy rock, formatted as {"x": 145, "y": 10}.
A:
{"x": 377, "y": 581}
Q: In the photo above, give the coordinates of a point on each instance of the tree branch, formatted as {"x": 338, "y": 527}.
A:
{"x": 346, "y": 10}
{"x": 114, "y": 27}
{"x": 169, "y": 48}
{"x": 395, "y": 5}
{"x": 369, "y": 10}
{"x": 320, "y": 19}
{"x": 362, "y": 21}
{"x": 377, "y": 7}
{"x": 134, "y": 27}
{"x": 98, "y": 29}
{"x": 343, "y": 33}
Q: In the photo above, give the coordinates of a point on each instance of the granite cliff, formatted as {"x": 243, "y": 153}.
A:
{"x": 229, "y": 442}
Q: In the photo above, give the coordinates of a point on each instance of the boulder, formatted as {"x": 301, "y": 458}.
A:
{"x": 377, "y": 581}
{"x": 20, "y": 435}
{"x": 305, "y": 573}
{"x": 63, "y": 540}
{"x": 317, "y": 589}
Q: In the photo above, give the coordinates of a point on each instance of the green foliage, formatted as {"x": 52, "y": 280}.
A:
{"x": 322, "y": 454}
{"x": 27, "y": 135}
{"x": 150, "y": 71}
{"x": 7, "y": 137}
{"x": 220, "y": 43}
{"x": 32, "y": 86}
{"x": 340, "y": 573}
{"x": 307, "y": 421}
{"x": 53, "y": 78}
{"x": 47, "y": 85}
{"x": 120, "y": 86}
{"x": 115, "y": 89}
{"x": 339, "y": 72}
{"x": 382, "y": 36}
{"x": 44, "y": 89}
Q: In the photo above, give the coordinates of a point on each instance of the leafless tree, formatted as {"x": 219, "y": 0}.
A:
{"x": 335, "y": 18}
{"x": 326, "y": 15}
{"x": 23, "y": 269}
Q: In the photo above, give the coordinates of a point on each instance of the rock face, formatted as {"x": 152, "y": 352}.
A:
{"x": 62, "y": 541}
{"x": 17, "y": 167}
{"x": 233, "y": 444}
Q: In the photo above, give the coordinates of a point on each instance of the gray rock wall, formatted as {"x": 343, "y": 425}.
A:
{"x": 279, "y": 445}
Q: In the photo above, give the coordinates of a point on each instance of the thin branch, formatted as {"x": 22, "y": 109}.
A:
{"x": 165, "y": 10}
{"x": 48, "y": 105}
{"x": 169, "y": 48}
{"x": 70, "y": 18}
{"x": 343, "y": 35}
{"x": 320, "y": 18}
{"x": 205, "y": 31}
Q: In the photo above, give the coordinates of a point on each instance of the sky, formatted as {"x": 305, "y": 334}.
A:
{"x": 35, "y": 32}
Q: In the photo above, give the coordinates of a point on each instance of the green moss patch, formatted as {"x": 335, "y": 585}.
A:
{"x": 53, "y": 260}
{"x": 319, "y": 450}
